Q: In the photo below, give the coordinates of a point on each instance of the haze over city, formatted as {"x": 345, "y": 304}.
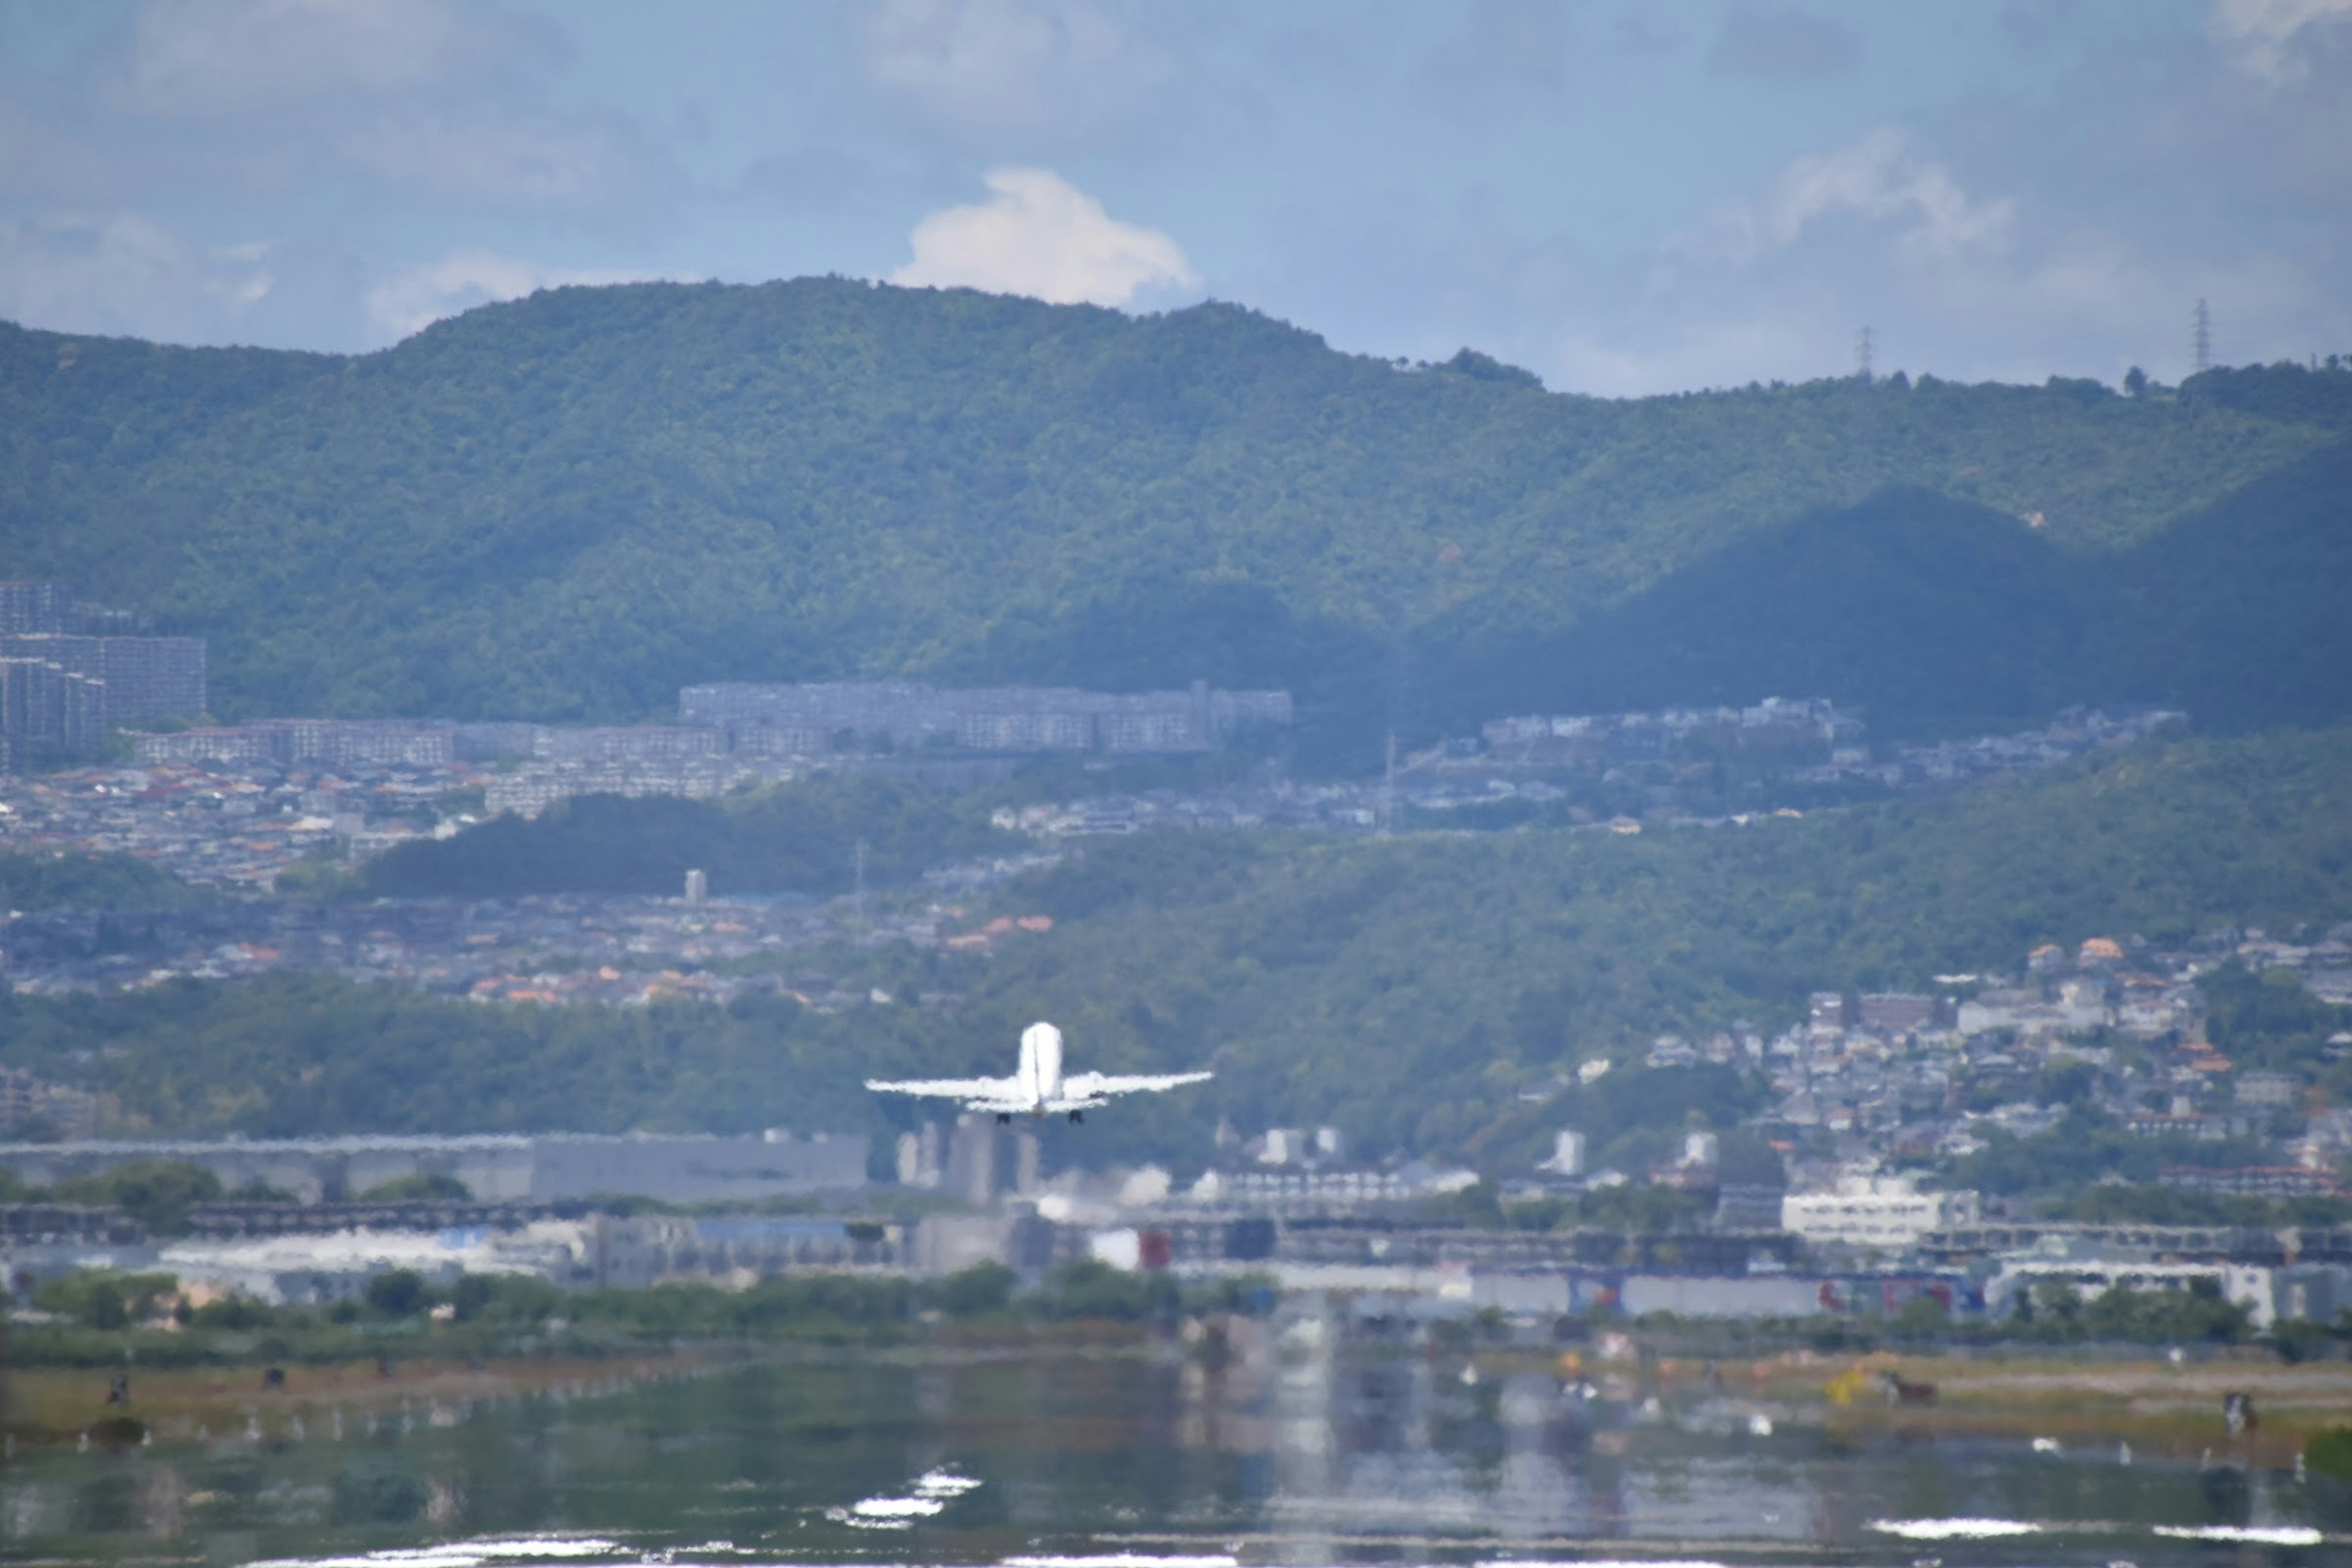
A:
{"x": 1100, "y": 783}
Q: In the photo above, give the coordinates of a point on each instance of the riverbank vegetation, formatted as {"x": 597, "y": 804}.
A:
{"x": 102, "y": 1318}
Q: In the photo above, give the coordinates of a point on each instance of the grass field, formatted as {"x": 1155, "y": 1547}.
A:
{"x": 2161, "y": 1408}
{"x": 64, "y": 1406}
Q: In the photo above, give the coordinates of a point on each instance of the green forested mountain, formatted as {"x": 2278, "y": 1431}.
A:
{"x": 1405, "y": 989}
{"x": 568, "y": 506}
{"x": 1408, "y": 989}
{"x": 800, "y": 836}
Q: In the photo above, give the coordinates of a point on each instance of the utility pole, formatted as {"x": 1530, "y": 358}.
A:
{"x": 2203, "y": 345}
{"x": 1861, "y": 467}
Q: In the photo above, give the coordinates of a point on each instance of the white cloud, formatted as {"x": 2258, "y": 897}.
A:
{"x": 1038, "y": 235}
{"x": 1781, "y": 344}
{"x": 2085, "y": 301}
{"x": 123, "y": 272}
{"x": 411, "y": 299}
{"x": 2093, "y": 297}
{"x": 1957, "y": 283}
{"x": 213, "y": 57}
{"x": 1877, "y": 177}
{"x": 2262, "y": 36}
{"x": 981, "y": 61}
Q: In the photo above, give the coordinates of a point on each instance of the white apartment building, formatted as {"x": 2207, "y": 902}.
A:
{"x": 1870, "y": 1210}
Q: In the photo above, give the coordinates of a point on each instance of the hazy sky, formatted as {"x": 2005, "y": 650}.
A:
{"x": 1623, "y": 197}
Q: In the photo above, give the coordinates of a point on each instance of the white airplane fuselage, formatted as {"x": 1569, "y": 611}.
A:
{"x": 1039, "y": 1073}
{"x": 1038, "y": 1086}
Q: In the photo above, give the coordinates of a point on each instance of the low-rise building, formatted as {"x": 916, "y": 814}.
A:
{"x": 2248, "y": 1285}
{"x": 493, "y": 1167}
{"x": 1876, "y": 1211}
{"x": 2253, "y": 1181}
{"x": 2268, "y": 1090}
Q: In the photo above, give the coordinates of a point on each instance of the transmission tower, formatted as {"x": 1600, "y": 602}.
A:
{"x": 1862, "y": 355}
{"x": 2203, "y": 344}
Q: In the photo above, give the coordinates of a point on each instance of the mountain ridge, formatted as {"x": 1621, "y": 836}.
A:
{"x": 565, "y": 507}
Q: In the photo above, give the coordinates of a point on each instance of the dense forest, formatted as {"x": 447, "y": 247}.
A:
{"x": 1408, "y": 990}
{"x": 30, "y": 882}
{"x": 566, "y": 507}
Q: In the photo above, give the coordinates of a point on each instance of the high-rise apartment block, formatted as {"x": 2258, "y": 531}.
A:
{"x": 43, "y": 705}
{"x": 36, "y": 607}
{"x": 626, "y": 743}
{"x": 143, "y": 677}
{"x": 905, "y": 716}
{"x": 329, "y": 743}
{"x": 74, "y": 671}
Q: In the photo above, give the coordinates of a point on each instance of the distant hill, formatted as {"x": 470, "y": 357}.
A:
{"x": 1408, "y": 990}
{"x": 796, "y": 837}
{"x": 1935, "y": 614}
{"x": 567, "y": 507}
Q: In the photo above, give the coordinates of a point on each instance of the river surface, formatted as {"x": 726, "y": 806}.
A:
{"x": 1062, "y": 1460}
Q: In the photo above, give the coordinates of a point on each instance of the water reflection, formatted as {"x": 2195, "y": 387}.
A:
{"x": 1301, "y": 1440}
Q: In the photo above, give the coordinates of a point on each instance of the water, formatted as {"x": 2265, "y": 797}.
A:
{"x": 1144, "y": 1458}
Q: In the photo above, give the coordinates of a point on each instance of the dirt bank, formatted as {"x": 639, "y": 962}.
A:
{"x": 56, "y": 1405}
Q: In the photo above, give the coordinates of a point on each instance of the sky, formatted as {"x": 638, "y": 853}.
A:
{"x": 1626, "y": 198}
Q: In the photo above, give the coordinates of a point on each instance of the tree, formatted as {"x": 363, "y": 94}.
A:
{"x": 156, "y": 1193}
{"x": 2166, "y": 1316}
{"x": 980, "y": 1289}
{"x": 399, "y": 1293}
{"x": 420, "y": 1187}
{"x": 105, "y": 1298}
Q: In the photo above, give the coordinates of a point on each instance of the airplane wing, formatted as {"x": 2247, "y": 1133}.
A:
{"x": 1090, "y": 1085}
{"x": 989, "y": 1088}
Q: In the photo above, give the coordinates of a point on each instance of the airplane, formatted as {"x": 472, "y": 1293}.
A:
{"x": 1038, "y": 1087}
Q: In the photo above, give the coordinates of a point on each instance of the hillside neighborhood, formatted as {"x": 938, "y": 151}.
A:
{"x": 1874, "y": 1106}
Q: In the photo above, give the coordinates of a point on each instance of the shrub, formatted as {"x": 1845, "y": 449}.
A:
{"x": 399, "y": 1293}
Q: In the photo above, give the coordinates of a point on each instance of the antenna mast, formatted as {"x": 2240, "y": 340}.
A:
{"x": 2203, "y": 344}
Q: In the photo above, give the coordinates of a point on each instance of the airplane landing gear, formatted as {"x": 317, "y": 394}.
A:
{"x": 1077, "y": 1116}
